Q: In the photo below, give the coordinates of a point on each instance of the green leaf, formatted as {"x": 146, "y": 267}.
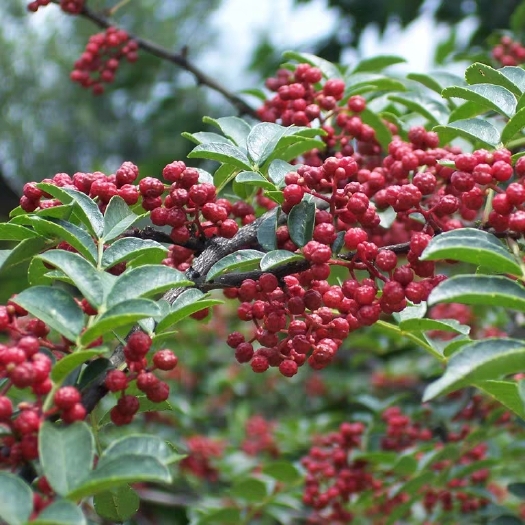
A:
{"x": 361, "y": 82}
{"x": 517, "y": 19}
{"x": 205, "y": 137}
{"x": 518, "y": 489}
{"x": 473, "y": 129}
{"x": 301, "y": 221}
{"x": 328, "y": 69}
{"x": 472, "y": 246}
{"x": 278, "y": 258}
{"x": 377, "y": 63}
{"x": 224, "y": 516}
{"x": 479, "y": 361}
{"x": 71, "y": 233}
{"x": 89, "y": 213}
{"x": 220, "y": 152}
{"x": 141, "y": 444}
{"x": 466, "y": 110}
{"x": 283, "y": 471}
{"x": 234, "y": 128}
{"x": 516, "y": 75}
{"x": 117, "y": 218}
{"x": 480, "y": 289}
{"x": 290, "y": 152}
{"x": 127, "y": 312}
{"x": 145, "y": 280}
{"x": 55, "y": 307}
{"x": 513, "y": 126}
{"x": 61, "y": 512}
{"x": 93, "y": 371}
{"x": 224, "y": 175}
{"x": 414, "y": 483}
{"x": 186, "y": 304}
{"x": 118, "y": 504}
{"x": 278, "y": 169}
{"x": 490, "y": 96}
{"x": 506, "y": 392}
{"x": 68, "y": 363}
{"x": 506, "y": 520}
{"x": 16, "y": 499}
{"x": 252, "y": 178}
{"x": 66, "y": 454}
{"x": 428, "y": 108}
{"x": 422, "y": 325}
{"x": 437, "y": 80}
{"x": 263, "y": 140}
{"x": 250, "y": 489}
{"x": 383, "y": 135}
{"x": 240, "y": 260}
{"x": 405, "y": 466}
{"x": 122, "y": 470}
{"x": 22, "y": 252}
{"x": 479, "y": 73}
{"x": 15, "y": 232}
{"x": 129, "y": 248}
{"x": 81, "y": 272}
{"x": 266, "y": 233}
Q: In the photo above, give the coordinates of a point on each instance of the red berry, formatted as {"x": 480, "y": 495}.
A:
{"x": 66, "y": 397}
{"x": 165, "y": 360}
{"x": 116, "y": 380}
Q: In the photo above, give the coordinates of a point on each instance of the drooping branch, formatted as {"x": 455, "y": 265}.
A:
{"x": 179, "y": 59}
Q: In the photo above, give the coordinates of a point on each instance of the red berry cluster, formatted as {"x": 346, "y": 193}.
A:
{"x": 338, "y": 472}
{"x": 73, "y": 7}
{"x": 509, "y": 52}
{"x": 156, "y": 390}
{"x": 259, "y": 437}
{"x": 201, "y": 452}
{"x": 101, "y": 58}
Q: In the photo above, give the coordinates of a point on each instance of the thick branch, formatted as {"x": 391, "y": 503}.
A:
{"x": 179, "y": 59}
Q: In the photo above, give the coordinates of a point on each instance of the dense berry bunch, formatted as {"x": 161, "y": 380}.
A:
{"x": 100, "y": 60}
{"x": 259, "y": 437}
{"x": 201, "y": 452}
{"x": 509, "y": 52}
{"x": 137, "y": 347}
{"x": 338, "y": 472}
{"x": 73, "y": 7}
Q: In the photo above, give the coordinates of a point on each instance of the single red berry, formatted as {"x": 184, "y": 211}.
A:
{"x": 116, "y": 380}
{"x": 159, "y": 393}
{"x": 165, "y": 360}
{"x": 76, "y": 413}
{"x": 66, "y": 397}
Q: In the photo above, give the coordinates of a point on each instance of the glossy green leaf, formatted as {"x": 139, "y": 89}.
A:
{"x": 22, "y": 252}
{"x": 377, "y": 63}
{"x": 205, "y": 137}
{"x": 414, "y": 483}
{"x": 283, "y": 471}
{"x": 328, "y": 69}
{"x": 278, "y": 258}
{"x": 437, "y": 80}
{"x": 513, "y": 126}
{"x": 145, "y": 280}
{"x": 479, "y": 361}
{"x": 16, "y": 499}
{"x": 233, "y": 127}
{"x": 445, "y": 325}
{"x": 430, "y": 109}
{"x": 516, "y": 75}
{"x": 221, "y": 152}
{"x": 15, "y": 232}
{"x": 240, "y": 260}
{"x": 224, "y": 516}
{"x": 254, "y": 179}
{"x": 129, "y": 248}
{"x": 263, "y": 140}
{"x": 93, "y": 371}
{"x": 118, "y": 504}
{"x": 472, "y": 246}
{"x": 494, "y": 97}
{"x": 124, "y": 313}
{"x": 506, "y": 392}
{"x": 301, "y": 221}
{"x": 249, "y": 489}
{"x": 66, "y": 454}
{"x": 266, "y": 233}
{"x": 122, "y": 470}
{"x": 383, "y": 134}
{"x": 80, "y": 271}
{"x": 61, "y": 512}
{"x": 467, "y": 110}
{"x": 518, "y": 489}
{"x": 278, "y": 169}
{"x": 479, "y": 73}
{"x": 359, "y": 82}
{"x": 80, "y": 239}
{"x": 117, "y": 218}
{"x": 37, "y": 273}
{"x": 488, "y": 290}
{"x": 55, "y": 307}
{"x": 68, "y": 363}
{"x": 295, "y": 150}
{"x": 185, "y": 305}
{"x": 405, "y": 466}
{"x": 473, "y": 129}
{"x": 141, "y": 444}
